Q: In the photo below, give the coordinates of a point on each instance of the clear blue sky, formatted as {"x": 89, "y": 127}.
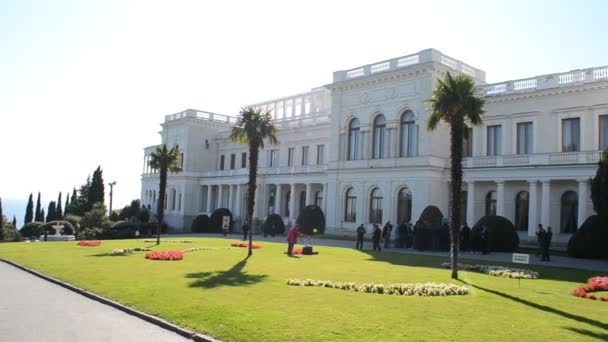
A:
{"x": 87, "y": 83}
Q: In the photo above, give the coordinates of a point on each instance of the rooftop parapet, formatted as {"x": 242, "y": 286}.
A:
{"x": 199, "y": 114}
{"x": 424, "y": 56}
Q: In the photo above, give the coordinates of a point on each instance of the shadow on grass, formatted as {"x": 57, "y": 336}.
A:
{"x": 580, "y": 319}
{"x": 232, "y": 277}
{"x": 588, "y": 333}
{"x": 108, "y": 255}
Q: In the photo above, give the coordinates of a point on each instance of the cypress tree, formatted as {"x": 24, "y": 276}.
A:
{"x": 66, "y": 209}
{"x": 39, "y": 215}
{"x": 14, "y": 222}
{"x": 59, "y": 211}
{"x": 96, "y": 192}
{"x": 29, "y": 210}
{"x": 82, "y": 203}
{"x": 42, "y": 215}
{"x": 51, "y": 213}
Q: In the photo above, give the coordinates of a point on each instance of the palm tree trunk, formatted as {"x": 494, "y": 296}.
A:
{"x": 161, "y": 202}
{"x": 457, "y": 132}
{"x": 253, "y": 173}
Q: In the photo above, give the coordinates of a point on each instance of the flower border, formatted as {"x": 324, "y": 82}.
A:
{"x": 429, "y": 289}
{"x": 593, "y": 284}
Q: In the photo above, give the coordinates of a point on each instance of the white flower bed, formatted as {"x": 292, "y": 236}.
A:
{"x": 405, "y": 289}
{"x": 120, "y": 251}
{"x": 496, "y": 271}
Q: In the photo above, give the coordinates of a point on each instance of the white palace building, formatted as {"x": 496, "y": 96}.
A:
{"x": 359, "y": 149}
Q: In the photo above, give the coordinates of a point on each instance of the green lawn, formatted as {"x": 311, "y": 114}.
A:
{"x": 222, "y": 293}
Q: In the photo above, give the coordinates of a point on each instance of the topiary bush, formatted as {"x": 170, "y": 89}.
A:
{"x": 215, "y": 221}
{"x": 277, "y": 221}
{"x": 590, "y": 240}
{"x": 311, "y": 218}
{"x": 32, "y": 230}
{"x": 200, "y": 224}
{"x": 502, "y": 235}
{"x": 428, "y": 231}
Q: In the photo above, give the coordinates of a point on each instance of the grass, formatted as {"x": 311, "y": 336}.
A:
{"x": 234, "y": 298}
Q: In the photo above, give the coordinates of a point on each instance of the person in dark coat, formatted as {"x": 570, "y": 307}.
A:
{"x": 377, "y": 234}
{"x": 386, "y": 233}
{"x": 402, "y": 229}
{"x": 540, "y": 236}
{"x": 245, "y": 229}
{"x": 465, "y": 235}
{"x": 360, "y": 236}
{"x": 546, "y": 243}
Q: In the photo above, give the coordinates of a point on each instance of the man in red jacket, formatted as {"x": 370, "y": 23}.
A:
{"x": 292, "y": 238}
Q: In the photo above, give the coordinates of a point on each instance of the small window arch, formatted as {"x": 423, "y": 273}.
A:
{"x": 409, "y": 135}
{"x": 569, "y": 212}
{"x": 404, "y": 206}
{"x": 350, "y": 206}
{"x": 354, "y": 135}
{"x": 491, "y": 203}
{"x": 522, "y": 204}
{"x": 375, "y": 206}
{"x": 379, "y": 136}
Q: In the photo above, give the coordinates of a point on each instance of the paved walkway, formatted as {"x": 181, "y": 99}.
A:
{"x": 556, "y": 261}
{"x": 33, "y": 309}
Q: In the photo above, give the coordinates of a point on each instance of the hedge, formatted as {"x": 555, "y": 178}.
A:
{"x": 200, "y": 224}
{"x": 502, "y": 235}
{"x": 311, "y": 220}
{"x": 277, "y": 221}
{"x": 590, "y": 240}
{"x": 428, "y": 229}
{"x": 215, "y": 221}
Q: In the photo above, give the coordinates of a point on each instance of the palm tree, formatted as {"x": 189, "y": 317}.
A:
{"x": 164, "y": 160}
{"x": 454, "y": 101}
{"x": 252, "y": 128}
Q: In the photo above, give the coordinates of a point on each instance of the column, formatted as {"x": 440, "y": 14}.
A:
{"x": 583, "y": 195}
{"x": 220, "y": 187}
{"x": 230, "y": 197}
{"x": 292, "y": 203}
{"x": 209, "y": 194}
{"x": 308, "y": 194}
{"x": 532, "y": 207}
{"x": 470, "y": 203}
{"x": 324, "y": 204}
{"x": 277, "y": 200}
{"x": 238, "y": 202}
{"x": 500, "y": 198}
{"x": 545, "y": 203}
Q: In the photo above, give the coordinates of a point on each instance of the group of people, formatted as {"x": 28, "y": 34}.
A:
{"x": 377, "y": 236}
{"x": 544, "y": 242}
{"x": 475, "y": 240}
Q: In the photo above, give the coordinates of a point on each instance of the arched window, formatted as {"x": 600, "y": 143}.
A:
{"x": 354, "y": 133}
{"x": 409, "y": 135}
{"x": 569, "y": 212}
{"x": 173, "y": 199}
{"x": 522, "y": 203}
{"x": 287, "y": 200}
{"x": 375, "y": 206}
{"x": 271, "y": 202}
{"x": 319, "y": 198}
{"x": 404, "y": 206}
{"x": 491, "y": 203}
{"x": 350, "y": 206}
{"x": 379, "y": 133}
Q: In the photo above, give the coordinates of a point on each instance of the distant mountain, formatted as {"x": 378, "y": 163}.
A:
{"x": 15, "y": 207}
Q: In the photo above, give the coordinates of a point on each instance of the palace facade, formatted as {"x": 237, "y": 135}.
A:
{"x": 359, "y": 149}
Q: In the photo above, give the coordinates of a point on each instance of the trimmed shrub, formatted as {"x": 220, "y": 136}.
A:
{"x": 200, "y": 224}
{"x": 277, "y": 221}
{"x": 502, "y": 236}
{"x": 590, "y": 240}
{"x": 215, "y": 221}
{"x": 32, "y": 230}
{"x": 311, "y": 220}
{"x": 428, "y": 231}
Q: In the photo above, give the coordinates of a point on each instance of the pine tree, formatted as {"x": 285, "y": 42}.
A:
{"x": 29, "y": 210}
{"x": 96, "y": 192}
{"x": 66, "y": 209}
{"x": 58, "y": 210}
{"x": 51, "y": 213}
{"x": 74, "y": 202}
{"x": 39, "y": 215}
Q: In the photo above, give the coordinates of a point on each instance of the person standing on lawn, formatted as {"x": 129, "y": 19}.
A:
{"x": 245, "y": 230}
{"x": 292, "y": 238}
{"x": 546, "y": 243}
{"x": 360, "y": 235}
{"x": 386, "y": 233}
{"x": 377, "y": 234}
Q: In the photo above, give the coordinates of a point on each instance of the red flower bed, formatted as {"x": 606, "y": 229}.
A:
{"x": 165, "y": 255}
{"x": 94, "y": 243}
{"x": 593, "y": 284}
{"x": 245, "y": 244}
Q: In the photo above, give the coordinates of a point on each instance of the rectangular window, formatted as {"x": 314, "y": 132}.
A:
{"x": 603, "y": 132}
{"x": 467, "y": 148}
{"x": 244, "y": 160}
{"x": 179, "y": 202}
{"x": 181, "y": 160}
{"x": 274, "y": 158}
{"x": 571, "y": 135}
{"x": 304, "y": 155}
{"x": 222, "y": 162}
{"x": 232, "y": 161}
{"x": 320, "y": 154}
{"x": 290, "y": 152}
{"x": 494, "y": 140}
{"x": 524, "y": 138}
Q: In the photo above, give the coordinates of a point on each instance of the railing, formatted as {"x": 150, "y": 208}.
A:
{"x": 555, "y": 158}
{"x": 263, "y": 171}
{"x": 199, "y": 114}
{"x": 293, "y": 107}
{"x": 423, "y": 56}
{"x": 547, "y": 81}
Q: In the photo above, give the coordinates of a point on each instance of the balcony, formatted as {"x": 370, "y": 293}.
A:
{"x": 536, "y": 159}
{"x": 268, "y": 171}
